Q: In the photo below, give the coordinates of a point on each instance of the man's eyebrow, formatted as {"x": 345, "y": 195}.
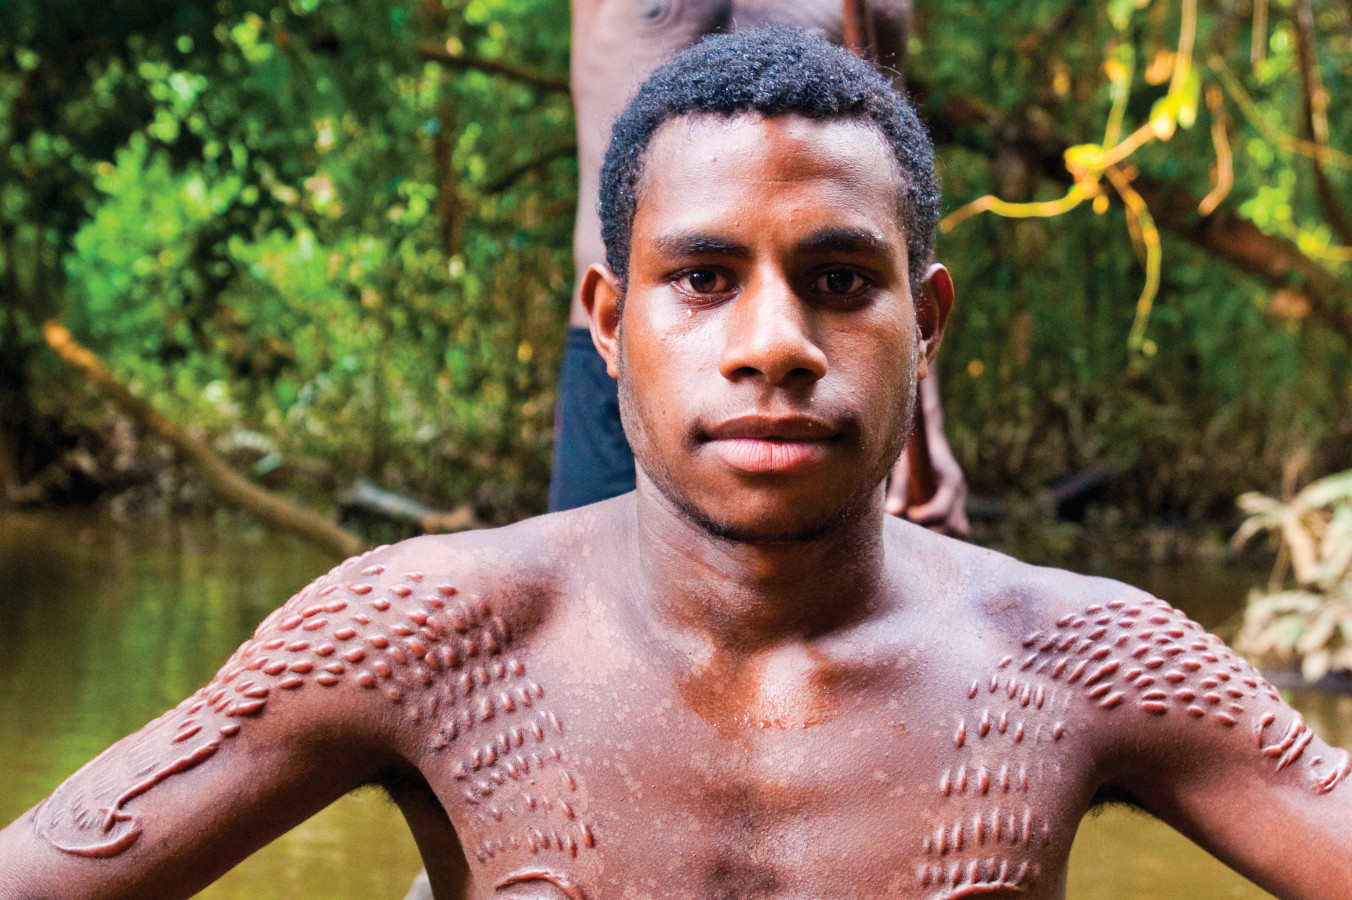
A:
{"x": 699, "y": 244}
{"x": 847, "y": 240}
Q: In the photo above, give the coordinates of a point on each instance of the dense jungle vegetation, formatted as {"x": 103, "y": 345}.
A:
{"x": 332, "y": 241}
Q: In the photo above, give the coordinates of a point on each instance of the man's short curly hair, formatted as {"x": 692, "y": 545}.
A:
{"x": 775, "y": 72}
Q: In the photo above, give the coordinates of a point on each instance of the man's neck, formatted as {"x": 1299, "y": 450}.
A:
{"x": 748, "y": 596}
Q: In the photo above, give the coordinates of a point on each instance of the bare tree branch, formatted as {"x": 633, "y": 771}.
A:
{"x": 514, "y": 175}
{"x": 227, "y": 484}
{"x": 1315, "y": 115}
{"x": 466, "y": 61}
{"x": 1224, "y": 234}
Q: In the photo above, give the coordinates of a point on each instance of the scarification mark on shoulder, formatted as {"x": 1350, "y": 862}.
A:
{"x": 1140, "y": 655}
{"x": 339, "y": 629}
{"x": 448, "y": 660}
{"x": 1146, "y": 655}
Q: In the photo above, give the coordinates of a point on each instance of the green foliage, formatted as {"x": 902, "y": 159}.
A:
{"x": 330, "y": 224}
{"x": 1039, "y": 374}
{"x": 292, "y": 224}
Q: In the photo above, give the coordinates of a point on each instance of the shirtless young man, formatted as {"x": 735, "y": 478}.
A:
{"x": 743, "y": 680}
{"x": 616, "y": 44}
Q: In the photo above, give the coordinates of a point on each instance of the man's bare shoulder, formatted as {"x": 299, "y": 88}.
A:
{"x": 1097, "y": 643}
{"x": 992, "y": 591}
{"x": 519, "y": 569}
{"x": 371, "y": 645}
{"x": 1122, "y": 668}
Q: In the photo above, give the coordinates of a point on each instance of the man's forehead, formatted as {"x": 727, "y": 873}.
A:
{"x": 696, "y": 142}
{"x": 716, "y": 175}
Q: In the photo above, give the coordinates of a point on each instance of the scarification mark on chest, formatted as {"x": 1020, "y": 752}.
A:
{"x": 992, "y": 847}
{"x": 974, "y": 877}
{"x": 990, "y": 835}
{"x": 519, "y": 786}
{"x": 663, "y": 18}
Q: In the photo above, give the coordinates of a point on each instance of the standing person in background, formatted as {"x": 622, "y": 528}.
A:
{"x": 616, "y": 44}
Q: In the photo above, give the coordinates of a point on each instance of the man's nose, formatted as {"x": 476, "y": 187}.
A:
{"x": 769, "y": 334}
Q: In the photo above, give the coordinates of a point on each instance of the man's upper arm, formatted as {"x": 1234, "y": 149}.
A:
{"x": 1204, "y": 742}
{"x": 313, "y": 705}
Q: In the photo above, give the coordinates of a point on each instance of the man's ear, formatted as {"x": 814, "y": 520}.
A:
{"x": 931, "y": 312}
{"x": 601, "y": 295}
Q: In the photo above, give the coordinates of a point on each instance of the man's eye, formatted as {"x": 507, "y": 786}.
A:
{"x": 704, "y": 281}
{"x": 839, "y": 282}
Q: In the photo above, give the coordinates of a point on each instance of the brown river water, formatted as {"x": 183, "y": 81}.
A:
{"x": 105, "y": 624}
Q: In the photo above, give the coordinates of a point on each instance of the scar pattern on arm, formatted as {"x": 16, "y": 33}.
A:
{"x": 418, "y": 644}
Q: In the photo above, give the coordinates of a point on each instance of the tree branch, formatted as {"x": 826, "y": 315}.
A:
{"x": 227, "y": 484}
{"x": 1234, "y": 239}
{"x": 368, "y": 498}
{"x": 516, "y": 174}
{"x": 1315, "y": 113}
{"x": 1224, "y": 234}
{"x": 465, "y": 61}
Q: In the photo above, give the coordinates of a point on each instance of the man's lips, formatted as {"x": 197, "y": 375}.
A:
{"x": 772, "y": 444}
{"x": 772, "y": 428}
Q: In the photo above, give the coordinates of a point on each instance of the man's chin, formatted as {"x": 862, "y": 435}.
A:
{"x": 768, "y": 526}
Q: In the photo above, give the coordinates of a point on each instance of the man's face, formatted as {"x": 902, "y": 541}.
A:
{"x": 769, "y": 346}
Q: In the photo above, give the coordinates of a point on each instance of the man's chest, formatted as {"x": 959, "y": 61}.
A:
{"x": 619, "y": 791}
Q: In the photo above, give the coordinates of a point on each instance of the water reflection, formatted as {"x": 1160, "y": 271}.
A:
{"x": 106, "y": 624}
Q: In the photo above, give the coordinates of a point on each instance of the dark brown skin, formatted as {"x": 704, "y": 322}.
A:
{"x": 618, "y": 43}
{"x": 744, "y": 680}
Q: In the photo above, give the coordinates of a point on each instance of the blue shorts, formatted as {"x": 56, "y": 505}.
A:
{"x": 592, "y": 460}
